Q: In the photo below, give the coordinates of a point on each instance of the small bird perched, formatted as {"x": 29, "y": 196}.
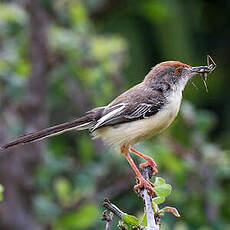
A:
{"x": 137, "y": 114}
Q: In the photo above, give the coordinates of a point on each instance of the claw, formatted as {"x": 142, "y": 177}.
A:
{"x": 150, "y": 163}
{"x": 146, "y": 184}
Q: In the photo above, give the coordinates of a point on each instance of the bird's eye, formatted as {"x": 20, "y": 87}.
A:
{"x": 179, "y": 71}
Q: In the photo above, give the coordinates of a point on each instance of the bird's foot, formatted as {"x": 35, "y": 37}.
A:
{"x": 144, "y": 183}
{"x": 150, "y": 162}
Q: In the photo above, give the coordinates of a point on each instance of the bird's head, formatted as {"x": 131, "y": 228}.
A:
{"x": 175, "y": 74}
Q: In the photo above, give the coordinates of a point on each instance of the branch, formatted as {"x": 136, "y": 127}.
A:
{"x": 153, "y": 221}
{"x": 108, "y": 217}
{"x": 113, "y": 208}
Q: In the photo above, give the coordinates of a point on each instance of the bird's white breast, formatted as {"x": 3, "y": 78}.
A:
{"x": 132, "y": 132}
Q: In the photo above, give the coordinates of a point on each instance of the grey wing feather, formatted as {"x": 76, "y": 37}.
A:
{"x": 111, "y": 113}
{"x": 126, "y": 113}
{"x": 139, "y": 111}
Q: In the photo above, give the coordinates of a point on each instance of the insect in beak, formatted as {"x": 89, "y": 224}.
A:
{"x": 211, "y": 66}
{"x": 205, "y": 70}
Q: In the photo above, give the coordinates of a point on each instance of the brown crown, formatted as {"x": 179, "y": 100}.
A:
{"x": 174, "y": 63}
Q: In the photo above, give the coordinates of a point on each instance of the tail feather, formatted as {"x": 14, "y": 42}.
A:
{"x": 78, "y": 124}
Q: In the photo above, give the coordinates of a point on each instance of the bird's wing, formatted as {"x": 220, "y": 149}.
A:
{"x": 144, "y": 110}
{"x": 131, "y": 109}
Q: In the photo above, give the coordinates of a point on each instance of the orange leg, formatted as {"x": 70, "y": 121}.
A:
{"x": 142, "y": 182}
{"x": 150, "y": 161}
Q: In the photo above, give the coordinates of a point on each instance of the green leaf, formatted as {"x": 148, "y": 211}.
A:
{"x": 1, "y": 191}
{"x": 159, "y": 181}
{"x": 130, "y": 220}
{"x": 144, "y": 220}
{"x": 161, "y": 188}
{"x": 159, "y": 200}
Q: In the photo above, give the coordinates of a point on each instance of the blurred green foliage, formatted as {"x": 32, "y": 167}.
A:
{"x": 101, "y": 48}
{"x": 1, "y": 191}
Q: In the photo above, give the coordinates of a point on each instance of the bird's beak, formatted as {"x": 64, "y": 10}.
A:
{"x": 199, "y": 70}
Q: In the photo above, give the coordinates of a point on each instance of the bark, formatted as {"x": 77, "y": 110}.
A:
{"x": 17, "y": 166}
{"x": 152, "y": 224}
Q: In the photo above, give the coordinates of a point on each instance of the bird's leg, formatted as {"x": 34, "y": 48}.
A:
{"x": 150, "y": 161}
{"x": 142, "y": 182}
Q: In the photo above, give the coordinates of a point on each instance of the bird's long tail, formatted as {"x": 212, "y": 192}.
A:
{"x": 78, "y": 124}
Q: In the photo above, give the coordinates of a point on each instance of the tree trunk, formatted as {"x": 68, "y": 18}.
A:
{"x": 17, "y": 166}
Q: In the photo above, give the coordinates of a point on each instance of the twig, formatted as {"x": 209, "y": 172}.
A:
{"x": 108, "y": 217}
{"x": 153, "y": 223}
{"x": 153, "y": 220}
{"x": 113, "y": 208}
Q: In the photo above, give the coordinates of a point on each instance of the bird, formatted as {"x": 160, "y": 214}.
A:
{"x": 139, "y": 113}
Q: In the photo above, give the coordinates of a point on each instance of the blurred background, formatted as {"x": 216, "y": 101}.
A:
{"x": 59, "y": 59}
